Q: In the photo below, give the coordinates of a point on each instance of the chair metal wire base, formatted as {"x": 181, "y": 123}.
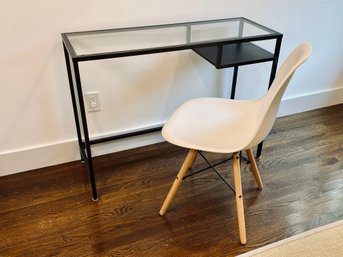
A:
{"x": 213, "y": 168}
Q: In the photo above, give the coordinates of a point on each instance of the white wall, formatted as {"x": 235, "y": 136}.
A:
{"x": 37, "y": 127}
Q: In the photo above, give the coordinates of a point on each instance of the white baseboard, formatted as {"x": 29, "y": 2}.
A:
{"x": 38, "y": 157}
{"x": 309, "y": 102}
{"x": 67, "y": 151}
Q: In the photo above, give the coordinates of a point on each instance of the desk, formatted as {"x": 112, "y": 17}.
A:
{"x": 224, "y": 43}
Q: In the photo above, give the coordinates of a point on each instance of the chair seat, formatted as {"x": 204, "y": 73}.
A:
{"x": 213, "y": 124}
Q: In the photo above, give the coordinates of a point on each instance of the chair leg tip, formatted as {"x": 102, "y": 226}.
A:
{"x": 243, "y": 241}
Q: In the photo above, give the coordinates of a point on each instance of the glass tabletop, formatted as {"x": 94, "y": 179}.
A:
{"x": 162, "y": 36}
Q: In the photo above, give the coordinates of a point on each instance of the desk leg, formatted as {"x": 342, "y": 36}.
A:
{"x": 259, "y": 150}
{"x": 234, "y": 82}
{"x": 86, "y": 148}
{"x": 73, "y": 98}
{"x": 79, "y": 110}
{"x": 271, "y": 79}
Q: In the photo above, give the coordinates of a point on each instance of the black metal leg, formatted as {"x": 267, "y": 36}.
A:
{"x": 90, "y": 170}
{"x": 88, "y": 154}
{"x": 84, "y": 147}
{"x": 259, "y": 150}
{"x": 73, "y": 98}
{"x": 275, "y": 61}
{"x": 271, "y": 79}
{"x": 234, "y": 82}
{"x": 233, "y": 93}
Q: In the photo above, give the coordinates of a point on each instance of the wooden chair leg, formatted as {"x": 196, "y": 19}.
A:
{"x": 254, "y": 169}
{"x": 191, "y": 165}
{"x": 186, "y": 164}
{"x": 239, "y": 198}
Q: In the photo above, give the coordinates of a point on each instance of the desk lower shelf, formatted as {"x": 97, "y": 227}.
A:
{"x": 234, "y": 54}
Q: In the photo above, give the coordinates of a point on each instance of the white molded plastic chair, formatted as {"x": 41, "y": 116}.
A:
{"x": 229, "y": 126}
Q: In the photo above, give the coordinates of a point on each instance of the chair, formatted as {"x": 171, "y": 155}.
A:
{"x": 229, "y": 126}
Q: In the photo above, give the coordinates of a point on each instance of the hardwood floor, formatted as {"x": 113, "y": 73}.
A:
{"x": 49, "y": 212}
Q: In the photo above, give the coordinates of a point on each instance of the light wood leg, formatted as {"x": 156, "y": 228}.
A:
{"x": 191, "y": 165}
{"x": 239, "y": 198}
{"x": 254, "y": 169}
{"x": 188, "y": 161}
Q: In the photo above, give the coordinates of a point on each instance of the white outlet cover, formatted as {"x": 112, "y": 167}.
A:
{"x": 92, "y": 102}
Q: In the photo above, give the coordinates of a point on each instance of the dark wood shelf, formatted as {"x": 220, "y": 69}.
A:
{"x": 234, "y": 54}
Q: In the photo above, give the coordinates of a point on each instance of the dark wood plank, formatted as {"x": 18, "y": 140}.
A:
{"x": 49, "y": 212}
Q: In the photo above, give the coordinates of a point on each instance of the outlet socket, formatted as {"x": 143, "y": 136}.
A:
{"x": 92, "y": 101}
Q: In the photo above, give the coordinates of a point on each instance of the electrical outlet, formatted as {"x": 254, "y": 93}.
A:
{"x": 92, "y": 102}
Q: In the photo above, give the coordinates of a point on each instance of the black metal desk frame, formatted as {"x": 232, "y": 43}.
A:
{"x": 222, "y": 52}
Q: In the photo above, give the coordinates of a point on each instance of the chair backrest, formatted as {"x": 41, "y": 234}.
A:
{"x": 271, "y": 101}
